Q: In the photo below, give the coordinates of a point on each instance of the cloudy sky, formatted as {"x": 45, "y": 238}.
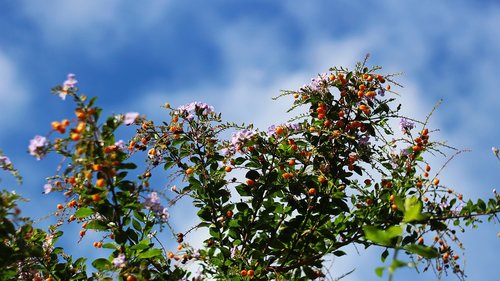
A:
{"x": 237, "y": 55}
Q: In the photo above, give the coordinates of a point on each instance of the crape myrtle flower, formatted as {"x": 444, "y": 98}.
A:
{"x": 4, "y": 161}
{"x": 406, "y": 125}
{"x": 37, "y": 146}
{"x": 318, "y": 82}
{"x": 238, "y": 140}
{"x": 130, "y": 117}
{"x": 120, "y": 144}
{"x": 152, "y": 203}
{"x": 68, "y": 84}
{"x": 119, "y": 261}
{"x": 190, "y": 109}
{"x": 47, "y": 188}
{"x": 293, "y": 127}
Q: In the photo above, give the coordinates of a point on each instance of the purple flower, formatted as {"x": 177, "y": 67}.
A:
{"x": 68, "y": 84}
{"x": 70, "y": 81}
{"x": 4, "y": 161}
{"x": 152, "y": 203}
{"x": 318, "y": 82}
{"x": 37, "y": 147}
{"x": 364, "y": 140}
{"x": 381, "y": 92}
{"x": 119, "y": 261}
{"x": 120, "y": 144}
{"x": 406, "y": 125}
{"x": 47, "y": 188}
{"x": 130, "y": 118}
{"x": 190, "y": 109}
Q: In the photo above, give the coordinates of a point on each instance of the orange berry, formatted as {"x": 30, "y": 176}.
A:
{"x": 394, "y": 207}
{"x": 332, "y": 77}
{"x": 97, "y": 167}
{"x": 170, "y": 254}
{"x": 55, "y": 125}
{"x": 250, "y": 273}
{"x": 250, "y": 182}
{"x": 60, "y": 206}
{"x": 419, "y": 184}
{"x": 82, "y": 233}
{"x": 327, "y": 123}
{"x": 435, "y": 182}
{"x": 456, "y": 257}
{"x": 75, "y": 136}
{"x": 425, "y": 132}
{"x": 49, "y": 279}
{"x": 229, "y": 213}
{"x": 427, "y": 168}
{"x": 321, "y": 116}
{"x": 294, "y": 147}
{"x": 228, "y": 169}
{"x": 131, "y": 277}
{"x": 421, "y": 240}
{"x": 100, "y": 182}
{"x": 392, "y": 198}
{"x": 80, "y": 127}
{"x": 312, "y": 191}
{"x": 460, "y": 197}
{"x": 189, "y": 171}
{"x": 291, "y": 162}
{"x": 243, "y": 273}
{"x": 322, "y": 179}
{"x": 426, "y": 174}
{"x": 279, "y": 130}
{"x": 312, "y": 129}
{"x": 341, "y": 114}
{"x": 96, "y": 197}
{"x": 179, "y": 247}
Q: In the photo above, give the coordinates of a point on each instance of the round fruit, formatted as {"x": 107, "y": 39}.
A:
{"x": 243, "y": 273}
{"x": 228, "y": 169}
{"x": 312, "y": 191}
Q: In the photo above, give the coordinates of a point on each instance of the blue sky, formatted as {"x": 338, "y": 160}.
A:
{"x": 236, "y": 55}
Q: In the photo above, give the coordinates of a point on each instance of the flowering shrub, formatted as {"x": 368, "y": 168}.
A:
{"x": 335, "y": 176}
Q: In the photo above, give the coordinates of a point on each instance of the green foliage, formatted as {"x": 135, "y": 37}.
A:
{"x": 275, "y": 204}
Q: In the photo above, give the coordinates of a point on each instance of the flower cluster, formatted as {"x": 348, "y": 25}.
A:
{"x": 68, "y": 84}
{"x": 238, "y": 140}
{"x": 4, "y": 161}
{"x": 119, "y": 261}
{"x": 317, "y": 83}
{"x": 190, "y": 109}
{"x": 130, "y": 117}
{"x": 406, "y": 125}
{"x": 153, "y": 203}
{"x": 292, "y": 127}
{"x": 37, "y": 147}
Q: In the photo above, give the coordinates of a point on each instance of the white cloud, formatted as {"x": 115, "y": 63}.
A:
{"x": 13, "y": 95}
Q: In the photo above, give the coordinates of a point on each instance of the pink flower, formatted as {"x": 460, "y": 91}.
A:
{"x": 130, "y": 118}
{"x": 47, "y": 188}
{"x": 119, "y": 261}
{"x": 37, "y": 147}
{"x": 68, "y": 84}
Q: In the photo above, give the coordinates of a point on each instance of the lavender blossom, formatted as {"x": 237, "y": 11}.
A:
{"x": 318, "y": 82}
{"x": 190, "y": 109}
{"x": 119, "y": 261}
{"x": 4, "y": 161}
{"x": 406, "y": 125}
{"x": 37, "y": 146}
{"x": 70, "y": 81}
{"x": 47, "y": 188}
{"x": 152, "y": 203}
{"x": 130, "y": 118}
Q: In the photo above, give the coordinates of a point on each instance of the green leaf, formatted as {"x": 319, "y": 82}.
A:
{"x": 413, "y": 210}
{"x": 84, "y": 212}
{"x": 384, "y": 255}
{"x": 381, "y": 236}
{"x": 424, "y": 251}
{"x": 380, "y": 271}
{"x": 150, "y": 254}
{"x": 102, "y": 264}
